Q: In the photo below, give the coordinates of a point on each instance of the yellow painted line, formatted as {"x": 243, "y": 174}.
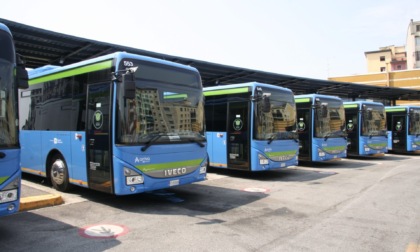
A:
{"x": 78, "y": 181}
{"x": 34, "y": 202}
{"x": 36, "y": 172}
{"x": 412, "y": 247}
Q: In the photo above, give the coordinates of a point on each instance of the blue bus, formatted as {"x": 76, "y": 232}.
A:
{"x": 251, "y": 127}
{"x": 321, "y": 127}
{"x": 12, "y": 76}
{"x": 120, "y": 123}
{"x": 366, "y": 128}
{"x": 403, "y": 123}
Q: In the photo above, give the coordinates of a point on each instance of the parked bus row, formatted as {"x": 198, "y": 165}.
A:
{"x": 126, "y": 124}
{"x": 12, "y": 76}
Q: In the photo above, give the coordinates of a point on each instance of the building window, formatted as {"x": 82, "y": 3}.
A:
{"x": 382, "y": 69}
{"x": 382, "y": 58}
{"x": 399, "y": 67}
{"x": 417, "y": 28}
{"x": 418, "y": 56}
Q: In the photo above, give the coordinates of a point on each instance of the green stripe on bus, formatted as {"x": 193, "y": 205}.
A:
{"x": 350, "y": 105}
{"x": 72, "y": 72}
{"x": 395, "y": 109}
{"x": 302, "y": 100}
{"x": 2, "y": 179}
{"x": 334, "y": 148}
{"x": 226, "y": 91}
{"x": 177, "y": 96}
{"x": 280, "y": 153}
{"x": 169, "y": 165}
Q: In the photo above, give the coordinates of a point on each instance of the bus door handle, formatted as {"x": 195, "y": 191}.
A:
{"x": 91, "y": 142}
{"x": 2, "y": 155}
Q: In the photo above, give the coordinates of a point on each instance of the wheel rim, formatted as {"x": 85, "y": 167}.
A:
{"x": 57, "y": 172}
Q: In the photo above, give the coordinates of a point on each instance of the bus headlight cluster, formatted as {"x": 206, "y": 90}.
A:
{"x": 263, "y": 160}
{"x": 132, "y": 177}
{"x": 366, "y": 148}
{"x": 321, "y": 153}
{"x": 7, "y": 196}
{"x": 134, "y": 180}
{"x": 203, "y": 168}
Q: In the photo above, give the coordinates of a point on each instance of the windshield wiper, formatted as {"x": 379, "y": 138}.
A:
{"x": 294, "y": 136}
{"x": 149, "y": 143}
{"x": 271, "y": 139}
{"x": 327, "y": 136}
{"x": 197, "y": 142}
{"x": 291, "y": 135}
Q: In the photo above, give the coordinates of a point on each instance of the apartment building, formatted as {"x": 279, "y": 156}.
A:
{"x": 393, "y": 66}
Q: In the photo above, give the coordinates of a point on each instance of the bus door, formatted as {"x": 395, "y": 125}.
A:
{"x": 98, "y": 137}
{"x": 304, "y": 132}
{"x": 353, "y": 131}
{"x": 399, "y": 132}
{"x": 238, "y": 147}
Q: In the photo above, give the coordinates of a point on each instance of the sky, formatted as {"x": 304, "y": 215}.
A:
{"x": 307, "y": 38}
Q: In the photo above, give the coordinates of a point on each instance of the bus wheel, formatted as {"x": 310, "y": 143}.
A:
{"x": 59, "y": 174}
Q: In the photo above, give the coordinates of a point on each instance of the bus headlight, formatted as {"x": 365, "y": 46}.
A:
{"x": 203, "y": 169}
{"x": 263, "y": 160}
{"x": 367, "y": 149}
{"x": 134, "y": 180}
{"x": 7, "y": 196}
{"x": 132, "y": 177}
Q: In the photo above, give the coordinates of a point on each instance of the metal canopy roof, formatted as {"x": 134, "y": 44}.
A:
{"x": 41, "y": 47}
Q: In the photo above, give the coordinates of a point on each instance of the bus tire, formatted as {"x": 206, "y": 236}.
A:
{"x": 59, "y": 174}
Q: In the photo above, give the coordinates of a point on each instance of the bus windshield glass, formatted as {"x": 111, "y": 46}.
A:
{"x": 275, "y": 115}
{"x": 167, "y": 106}
{"x": 373, "y": 120}
{"x": 329, "y": 118}
{"x": 414, "y": 126}
{"x": 8, "y": 111}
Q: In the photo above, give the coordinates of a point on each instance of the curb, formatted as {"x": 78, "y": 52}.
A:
{"x": 34, "y": 202}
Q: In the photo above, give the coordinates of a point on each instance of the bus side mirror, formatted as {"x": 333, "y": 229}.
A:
{"x": 21, "y": 73}
{"x": 129, "y": 86}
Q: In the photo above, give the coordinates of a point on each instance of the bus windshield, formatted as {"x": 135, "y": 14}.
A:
{"x": 373, "y": 120}
{"x": 275, "y": 115}
{"x": 167, "y": 106}
{"x": 414, "y": 126}
{"x": 329, "y": 118}
{"x": 8, "y": 111}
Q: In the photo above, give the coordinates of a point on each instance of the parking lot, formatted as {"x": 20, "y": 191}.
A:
{"x": 369, "y": 204}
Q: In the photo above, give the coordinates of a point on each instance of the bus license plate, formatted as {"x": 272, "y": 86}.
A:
{"x": 174, "y": 182}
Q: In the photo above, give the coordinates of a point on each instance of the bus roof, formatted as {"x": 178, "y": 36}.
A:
{"x": 47, "y": 70}
{"x": 400, "y": 108}
{"x": 360, "y": 103}
{"x": 317, "y": 96}
{"x": 242, "y": 85}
